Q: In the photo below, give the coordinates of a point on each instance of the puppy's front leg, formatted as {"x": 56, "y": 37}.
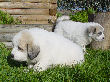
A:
{"x": 30, "y": 66}
{"x": 41, "y": 66}
{"x": 84, "y": 49}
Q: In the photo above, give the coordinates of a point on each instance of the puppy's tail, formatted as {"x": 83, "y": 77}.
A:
{"x": 63, "y": 18}
{"x": 59, "y": 19}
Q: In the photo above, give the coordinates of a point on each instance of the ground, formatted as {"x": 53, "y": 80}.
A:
{"x": 95, "y": 68}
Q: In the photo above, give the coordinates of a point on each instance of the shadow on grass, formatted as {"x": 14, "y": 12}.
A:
{"x": 13, "y": 63}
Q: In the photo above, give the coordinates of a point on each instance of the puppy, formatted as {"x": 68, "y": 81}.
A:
{"x": 41, "y": 49}
{"x": 80, "y": 33}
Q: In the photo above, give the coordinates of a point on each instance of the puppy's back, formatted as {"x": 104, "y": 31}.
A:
{"x": 55, "y": 47}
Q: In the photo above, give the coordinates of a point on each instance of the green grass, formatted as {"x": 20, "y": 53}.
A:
{"x": 96, "y": 68}
{"x": 5, "y": 18}
{"x": 80, "y": 16}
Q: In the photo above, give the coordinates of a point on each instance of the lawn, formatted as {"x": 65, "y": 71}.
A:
{"x": 6, "y": 18}
{"x": 95, "y": 68}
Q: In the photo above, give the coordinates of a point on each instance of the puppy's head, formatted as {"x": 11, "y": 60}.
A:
{"x": 24, "y": 47}
{"x": 96, "y": 32}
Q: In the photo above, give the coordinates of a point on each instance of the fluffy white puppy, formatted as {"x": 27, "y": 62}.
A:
{"x": 80, "y": 33}
{"x": 41, "y": 49}
{"x": 62, "y": 18}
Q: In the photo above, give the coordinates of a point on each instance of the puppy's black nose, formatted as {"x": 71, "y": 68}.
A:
{"x": 12, "y": 56}
{"x": 103, "y": 38}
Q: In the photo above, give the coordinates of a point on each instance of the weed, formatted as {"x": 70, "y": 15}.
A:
{"x": 5, "y": 18}
{"x": 95, "y": 68}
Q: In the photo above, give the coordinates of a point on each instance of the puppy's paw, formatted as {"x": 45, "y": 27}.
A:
{"x": 26, "y": 70}
{"x": 37, "y": 68}
{"x": 30, "y": 66}
{"x": 40, "y": 67}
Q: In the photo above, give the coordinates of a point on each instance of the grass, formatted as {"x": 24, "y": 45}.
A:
{"x": 95, "y": 68}
{"x": 80, "y": 16}
{"x": 5, "y": 18}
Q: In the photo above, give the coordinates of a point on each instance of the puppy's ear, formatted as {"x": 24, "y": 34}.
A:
{"x": 26, "y": 42}
{"x": 91, "y": 30}
{"x": 32, "y": 51}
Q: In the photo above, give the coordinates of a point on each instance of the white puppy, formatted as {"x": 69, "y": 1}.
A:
{"x": 80, "y": 33}
{"x": 41, "y": 49}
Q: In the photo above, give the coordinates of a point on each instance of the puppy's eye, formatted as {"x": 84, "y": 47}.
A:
{"x": 99, "y": 33}
{"x": 20, "y": 48}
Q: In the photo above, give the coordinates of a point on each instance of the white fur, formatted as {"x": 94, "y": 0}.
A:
{"x": 54, "y": 49}
{"x": 77, "y": 31}
{"x": 62, "y": 18}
